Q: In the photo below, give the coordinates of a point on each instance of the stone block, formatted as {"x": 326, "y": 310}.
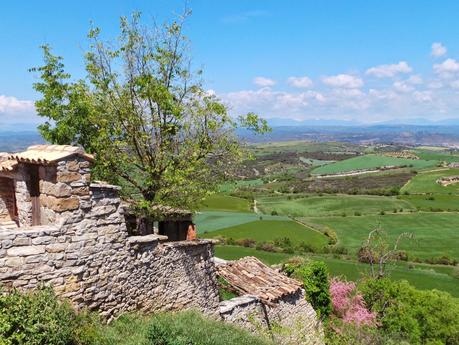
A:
{"x": 56, "y": 247}
{"x": 67, "y": 177}
{"x": 73, "y": 166}
{"x": 58, "y": 189}
{"x": 81, "y": 191}
{"x": 26, "y": 250}
{"x": 21, "y": 241}
{"x": 60, "y": 204}
{"x": 14, "y": 262}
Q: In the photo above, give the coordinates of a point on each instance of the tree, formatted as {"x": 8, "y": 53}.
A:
{"x": 378, "y": 252}
{"x": 145, "y": 114}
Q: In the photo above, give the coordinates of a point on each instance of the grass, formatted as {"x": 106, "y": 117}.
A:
{"x": 425, "y": 182}
{"x": 303, "y": 146}
{"x": 188, "y": 327}
{"x": 269, "y": 230}
{"x": 436, "y": 202}
{"x": 229, "y": 187}
{"x": 436, "y": 234}
{"x": 437, "y": 155}
{"x": 314, "y": 162}
{"x": 208, "y": 221}
{"x": 223, "y": 202}
{"x": 371, "y": 161}
{"x": 237, "y": 252}
{"x": 328, "y": 205}
{"x": 421, "y": 276}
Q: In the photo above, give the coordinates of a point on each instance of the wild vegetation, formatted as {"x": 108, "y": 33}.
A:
{"x": 39, "y": 318}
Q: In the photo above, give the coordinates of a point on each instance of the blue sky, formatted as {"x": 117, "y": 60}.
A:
{"x": 362, "y": 60}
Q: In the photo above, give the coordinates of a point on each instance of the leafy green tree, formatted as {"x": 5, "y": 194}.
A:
{"x": 145, "y": 114}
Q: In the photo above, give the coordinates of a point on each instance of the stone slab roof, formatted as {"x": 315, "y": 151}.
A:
{"x": 250, "y": 276}
{"x": 45, "y": 154}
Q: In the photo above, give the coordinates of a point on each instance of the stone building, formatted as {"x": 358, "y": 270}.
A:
{"x": 60, "y": 229}
{"x": 56, "y": 227}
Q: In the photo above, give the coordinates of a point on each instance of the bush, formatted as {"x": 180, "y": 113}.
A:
{"x": 274, "y": 213}
{"x": 246, "y": 242}
{"x": 266, "y": 246}
{"x": 419, "y": 317}
{"x": 38, "y": 318}
{"x": 314, "y": 275}
{"x": 35, "y": 318}
{"x": 357, "y": 213}
{"x": 331, "y": 234}
{"x": 307, "y": 248}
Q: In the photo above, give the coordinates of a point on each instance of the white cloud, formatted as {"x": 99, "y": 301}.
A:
{"x": 438, "y": 49}
{"x": 345, "y": 81}
{"x": 10, "y": 104}
{"x": 300, "y": 82}
{"x": 388, "y": 71}
{"x": 263, "y": 82}
{"x": 402, "y": 86}
{"x": 423, "y": 96}
{"x": 447, "y": 68}
{"x": 415, "y": 80}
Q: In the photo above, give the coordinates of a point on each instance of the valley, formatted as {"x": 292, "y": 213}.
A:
{"x": 295, "y": 199}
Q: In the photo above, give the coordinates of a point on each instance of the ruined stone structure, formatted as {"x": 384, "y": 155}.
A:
{"x": 58, "y": 228}
{"x": 270, "y": 303}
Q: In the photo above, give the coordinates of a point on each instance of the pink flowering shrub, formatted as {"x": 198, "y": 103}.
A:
{"x": 349, "y": 305}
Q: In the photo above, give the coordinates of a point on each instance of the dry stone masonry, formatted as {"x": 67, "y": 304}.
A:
{"x": 58, "y": 228}
{"x": 82, "y": 246}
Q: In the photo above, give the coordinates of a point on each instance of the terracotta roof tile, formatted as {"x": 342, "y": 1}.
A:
{"x": 250, "y": 276}
{"x": 7, "y": 164}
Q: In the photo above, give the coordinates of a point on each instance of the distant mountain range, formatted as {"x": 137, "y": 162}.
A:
{"x": 280, "y": 122}
{"x": 16, "y": 137}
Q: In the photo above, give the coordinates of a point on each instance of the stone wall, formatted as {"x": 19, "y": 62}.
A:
{"x": 292, "y": 321}
{"x": 89, "y": 258}
{"x": 6, "y": 199}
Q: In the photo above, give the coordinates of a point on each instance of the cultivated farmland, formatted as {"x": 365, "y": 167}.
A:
{"x": 329, "y": 205}
{"x": 369, "y": 162}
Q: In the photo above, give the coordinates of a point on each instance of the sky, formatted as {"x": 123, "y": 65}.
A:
{"x": 362, "y": 60}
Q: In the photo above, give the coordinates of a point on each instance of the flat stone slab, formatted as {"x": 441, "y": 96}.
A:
{"x": 146, "y": 239}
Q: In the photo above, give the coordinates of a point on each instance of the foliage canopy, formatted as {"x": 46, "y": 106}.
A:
{"x": 144, "y": 113}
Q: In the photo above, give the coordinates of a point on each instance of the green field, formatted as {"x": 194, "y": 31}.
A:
{"x": 437, "y": 155}
{"x": 231, "y": 186}
{"x": 422, "y": 276}
{"x": 436, "y": 234}
{"x": 223, "y": 202}
{"x": 436, "y": 202}
{"x": 268, "y": 230}
{"x": 304, "y": 146}
{"x": 328, "y": 205}
{"x": 207, "y": 221}
{"x": 371, "y": 162}
{"x": 425, "y": 182}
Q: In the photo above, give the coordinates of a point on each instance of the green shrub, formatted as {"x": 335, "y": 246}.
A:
{"x": 419, "y": 317}
{"x": 39, "y": 318}
{"x": 314, "y": 275}
{"x": 33, "y": 318}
